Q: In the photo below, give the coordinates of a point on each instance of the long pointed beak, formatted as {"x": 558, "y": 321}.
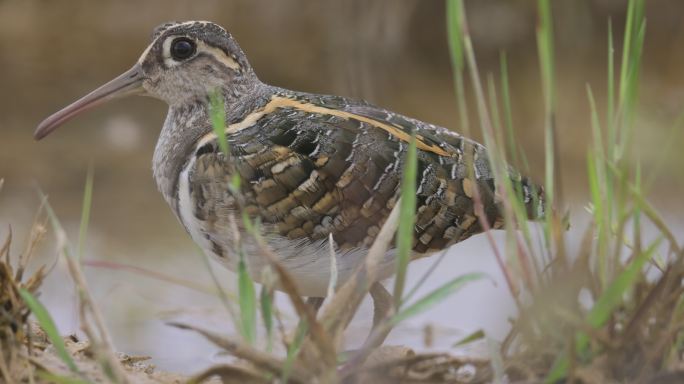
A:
{"x": 128, "y": 83}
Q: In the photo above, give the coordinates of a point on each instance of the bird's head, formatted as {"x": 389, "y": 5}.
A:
{"x": 185, "y": 61}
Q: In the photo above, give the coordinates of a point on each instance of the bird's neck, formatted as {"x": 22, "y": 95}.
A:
{"x": 182, "y": 128}
{"x": 186, "y": 123}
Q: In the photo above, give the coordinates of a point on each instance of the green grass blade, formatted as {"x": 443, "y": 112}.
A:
{"x": 434, "y": 297}
{"x": 626, "y": 50}
{"x": 610, "y": 114}
{"x": 235, "y": 183}
{"x": 598, "y": 187}
{"x": 517, "y": 157}
{"x": 247, "y": 300}
{"x": 630, "y": 106}
{"x": 250, "y": 226}
{"x": 595, "y": 124}
{"x": 52, "y": 378}
{"x": 48, "y": 325}
{"x": 293, "y": 349}
{"x": 472, "y": 337}
{"x": 615, "y": 292}
{"x": 636, "y": 212}
{"x": 633, "y": 25}
{"x": 218, "y": 119}
{"x": 246, "y": 291}
{"x": 454, "y": 9}
{"x": 496, "y": 117}
{"x": 601, "y": 221}
{"x": 85, "y": 212}
{"x": 498, "y": 166}
{"x": 514, "y": 210}
{"x": 545, "y": 47}
{"x": 635, "y": 28}
{"x": 266, "y": 302}
{"x": 508, "y": 111}
{"x": 407, "y": 215}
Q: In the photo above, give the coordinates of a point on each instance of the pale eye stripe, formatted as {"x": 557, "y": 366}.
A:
{"x": 219, "y": 55}
{"x": 145, "y": 52}
{"x": 230, "y": 62}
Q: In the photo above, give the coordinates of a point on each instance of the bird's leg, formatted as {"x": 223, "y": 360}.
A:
{"x": 382, "y": 303}
{"x": 315, "y": 303}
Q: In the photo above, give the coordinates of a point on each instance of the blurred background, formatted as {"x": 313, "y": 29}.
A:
{"x": 391, "y": 53}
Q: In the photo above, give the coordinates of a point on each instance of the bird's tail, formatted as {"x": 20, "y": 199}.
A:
{"x": 531, "y": 194}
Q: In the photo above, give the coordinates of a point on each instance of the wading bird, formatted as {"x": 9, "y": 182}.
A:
{"x": 310, "y": 165}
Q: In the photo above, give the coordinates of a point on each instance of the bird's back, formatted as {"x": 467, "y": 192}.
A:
{"x": 315, "y": 165}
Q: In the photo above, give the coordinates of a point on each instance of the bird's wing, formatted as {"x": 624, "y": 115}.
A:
{"x": 315, "y": 165}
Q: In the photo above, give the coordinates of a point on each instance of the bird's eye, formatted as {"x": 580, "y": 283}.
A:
{"x": 182, "y": 48}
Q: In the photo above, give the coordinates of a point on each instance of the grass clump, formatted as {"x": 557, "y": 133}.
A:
{"x": 48, "y": 325}
{"x": 15, "y": 328}
{"x": 612, "y": 312}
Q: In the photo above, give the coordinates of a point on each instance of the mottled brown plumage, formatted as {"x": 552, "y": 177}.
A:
{"x": 310, "y": 165}
{"x": 311, "y": 174}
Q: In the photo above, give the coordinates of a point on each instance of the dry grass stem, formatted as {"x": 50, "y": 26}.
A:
{"x": 344, "y": 304}
{"x": 260, "y": 360}
{"x": 381, "y": 328}
{"x": 101, "y": 340}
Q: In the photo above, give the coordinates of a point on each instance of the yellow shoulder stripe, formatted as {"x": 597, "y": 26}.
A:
{"x": 283, "y": 102}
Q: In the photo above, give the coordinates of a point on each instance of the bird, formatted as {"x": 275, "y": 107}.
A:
{"x": 310, "y": 166}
